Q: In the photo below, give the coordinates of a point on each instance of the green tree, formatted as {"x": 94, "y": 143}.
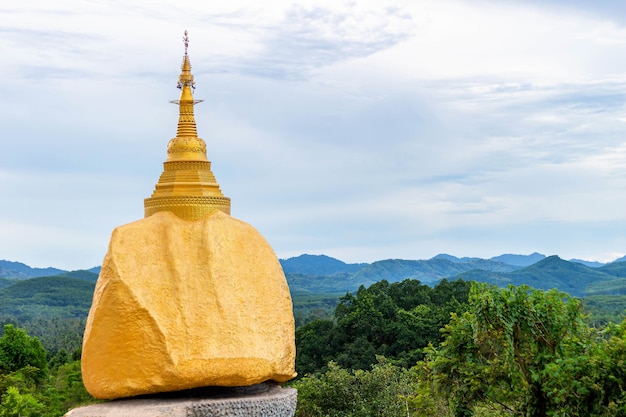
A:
{"x": 15, "y": 404}
{"x": 64, "y": 391}
{"x": 614, "y": 369}
{"x": 313, "y": 349}
{"x": 27, "y": 387}
{"x": 523, "y": 351}
{"x": 393, "y": 320}
{"x": 382, "y": 391}
{"x": 18, "y": 350}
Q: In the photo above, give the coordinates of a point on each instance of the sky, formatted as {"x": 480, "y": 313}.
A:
{"x": 362, "y": 130}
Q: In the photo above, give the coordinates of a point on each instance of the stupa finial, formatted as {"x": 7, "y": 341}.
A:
{"x": 186, "y": 120}
{"x": 185, "y": 77}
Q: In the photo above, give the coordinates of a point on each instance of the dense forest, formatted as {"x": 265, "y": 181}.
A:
{"x": 451, "y": 348}
{"x": 503, "y": 351}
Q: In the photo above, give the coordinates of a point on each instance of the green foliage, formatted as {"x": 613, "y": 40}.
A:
{"x": 28, "y": 387}
{"x": 65, "y": 390}
{"x": 527, "y": 352}
{"x": 382, "y": 391}
{"x": 18, "y": 351}
{"x": 393, "y": 320}
{"x": 15, "y": 404}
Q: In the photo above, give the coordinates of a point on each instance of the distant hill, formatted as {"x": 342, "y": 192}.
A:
{"x": 617, "y": 269}
{"x": 317, "y": 265}
{"x": 453, "y": 258}
{"x": 552, "y": 272}
{"x": 427, "y": 271}
{"x": 80, "y": 274}
{"x": 612, "y": 287}
{"x": 622, "y": 259}
{"x": 392, "y": 270}
{"x": 5, "y": 282}
{"x": 303, "y": 284}
{"x": 55, "y": 296}
{"x": 519, "y": 260}
{"x": 590, "y": 264}
{"x": 19, "y": 270}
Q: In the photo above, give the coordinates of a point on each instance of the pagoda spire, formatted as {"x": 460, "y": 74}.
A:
{"x": 186, "y": 120}
{"x": 186, "y": 141}
{"x": 187, "y": 187}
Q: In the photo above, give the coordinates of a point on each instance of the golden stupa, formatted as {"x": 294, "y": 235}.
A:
{"x": 187, "y": 187}
{"x": 188, "y": 296}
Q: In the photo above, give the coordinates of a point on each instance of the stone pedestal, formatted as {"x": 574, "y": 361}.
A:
{"x": 262, "y": 400}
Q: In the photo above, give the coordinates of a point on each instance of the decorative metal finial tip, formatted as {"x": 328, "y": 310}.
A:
{"x": 186, "y": 42}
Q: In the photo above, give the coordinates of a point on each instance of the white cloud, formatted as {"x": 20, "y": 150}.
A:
{"x": 354, "y": 129}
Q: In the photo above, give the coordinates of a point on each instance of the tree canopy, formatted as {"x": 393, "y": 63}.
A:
{"x": 527, "y": 352}
{"x": 393, "y": 320}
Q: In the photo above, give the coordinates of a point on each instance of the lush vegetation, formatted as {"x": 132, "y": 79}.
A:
{"x": 33, "y": 385}
{"x": 386, "y": 390}
{"x": 393, "y": 320}
{"x": 514, "y": 351}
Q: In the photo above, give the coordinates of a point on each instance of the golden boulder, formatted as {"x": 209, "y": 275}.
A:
{"x": 183, "y": 304}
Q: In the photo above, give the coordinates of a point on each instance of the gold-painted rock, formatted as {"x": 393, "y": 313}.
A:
{"x": 185, "y": 304}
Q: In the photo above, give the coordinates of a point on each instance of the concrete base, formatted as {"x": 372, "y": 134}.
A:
{"x": 262, "y": 400}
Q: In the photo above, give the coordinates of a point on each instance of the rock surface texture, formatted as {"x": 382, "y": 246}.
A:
{"x": 275, "y": 402}
{"x": 185, "y": 304}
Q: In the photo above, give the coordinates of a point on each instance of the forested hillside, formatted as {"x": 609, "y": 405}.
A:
{"x": 57, "y": 296}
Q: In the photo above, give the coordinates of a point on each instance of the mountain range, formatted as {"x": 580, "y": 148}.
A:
{"x": 578, "y": 278}
{"x": 25, "y": 290}
{"x": 326, "y": 265}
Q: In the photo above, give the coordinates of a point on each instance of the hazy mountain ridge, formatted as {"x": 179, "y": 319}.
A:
{"x": 318, "y": 265}
{"x": 9, "y": 269}
{"x": 18, "y": 270}
{"x": 69, "y": 293}
{"x": 315, "y": 274}
{"x": 325, "y": 265}
{"x": 520, "y": 260}
{"x": 576, "y": 277}
{"x": 427, "y": 271}
{"x": 553, "y": 272}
